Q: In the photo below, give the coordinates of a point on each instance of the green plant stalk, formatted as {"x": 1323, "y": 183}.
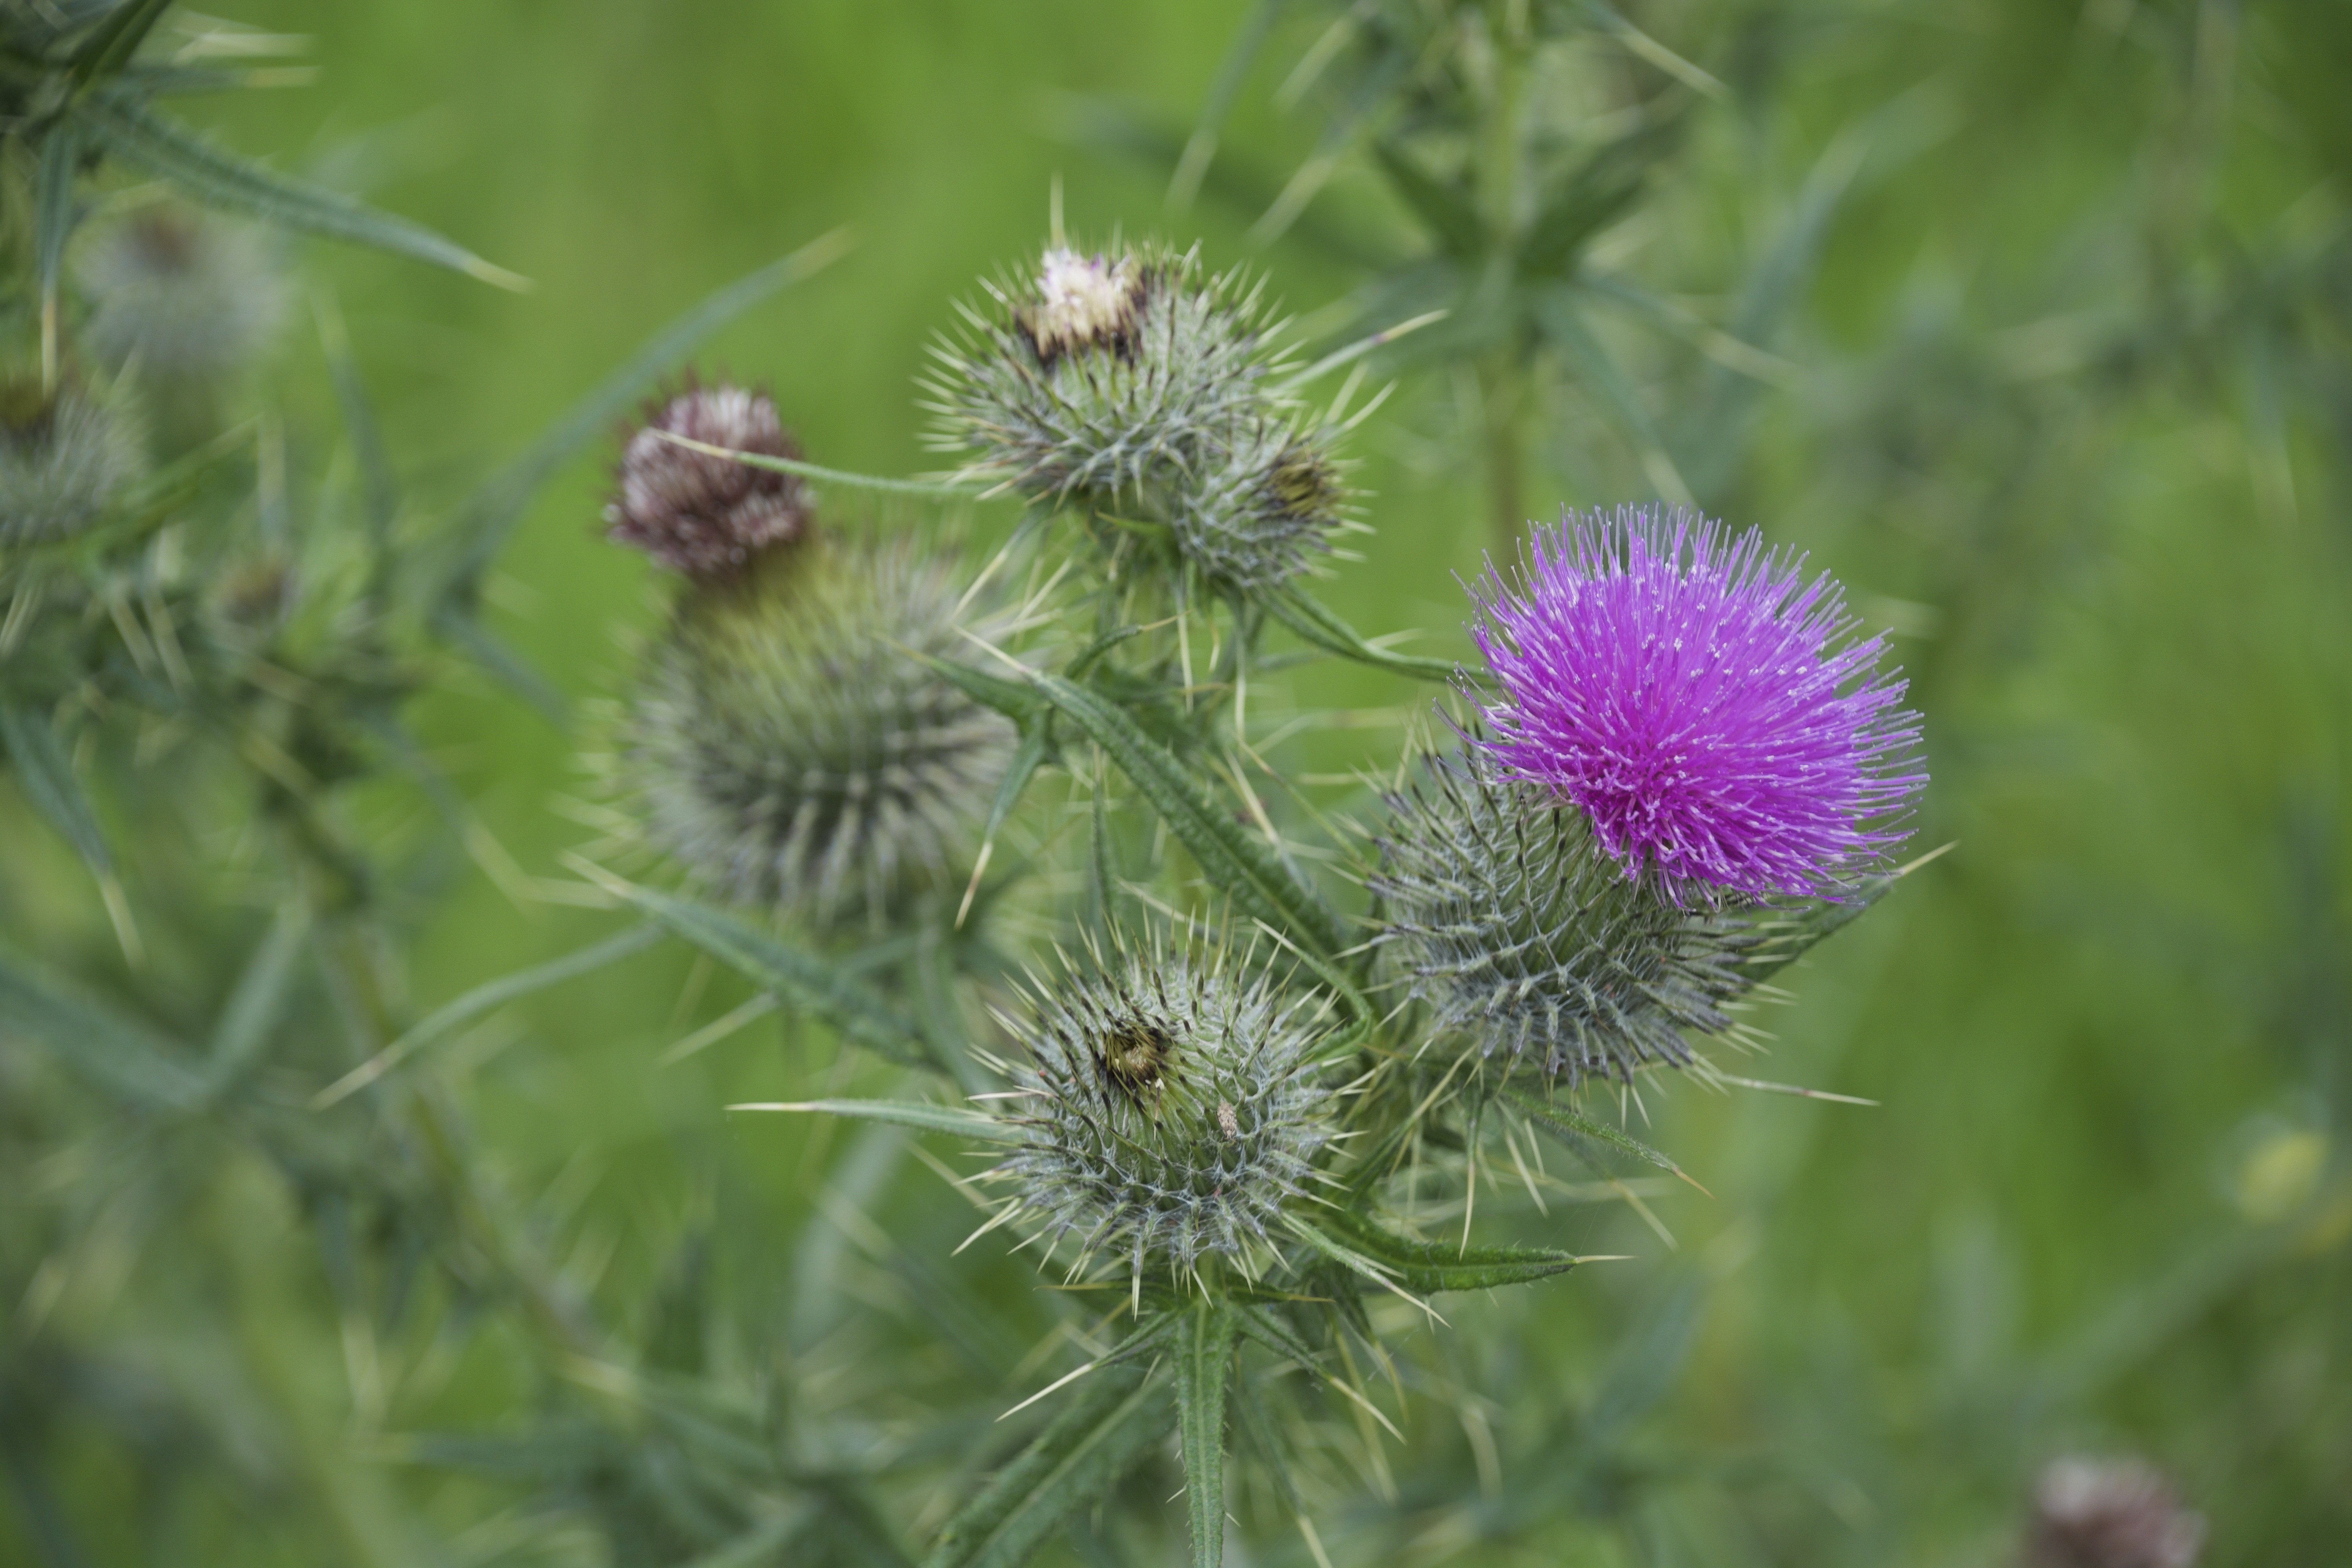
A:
{"x": 1503, "y": 376}
{"x": 482, "y": 1213}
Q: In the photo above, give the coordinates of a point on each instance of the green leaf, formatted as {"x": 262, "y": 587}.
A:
{"x": 445, "y": 1020}
{"x": 1234, "y": 70}
{"x": 379, "y": 490}
{"x": 1268, "y": 1329}
{"x": 170, "y": 151}
{"x": 1563, "y": 322}
{"x": 116, "y": 1055}
{"x": 1315, "y": 624}
{"x": 1037, "y": 744}
{"x": 53, "y": 211}
{"x": 1446, "y": 211}
{"x": 850, "y": 1005}
{"x": 1113, "y": 1418}
{"x": 110, "y": 44}
{"x": 1018, "y": 700}
{"x": 45, "y": 773}
{"x": 1590, "y": 1142}
{"x": 503, "y": 664}
{"x": 1642, "y": 1373}
{"x": 491, "y": 512}
{"x": 1426, "y": 1267}
{"x": 932, "y": 489}
{"x": 1231, "y": 855}
{"x": 918, "y": 1113}
{"x": 1205, "y": 1360}
{"x": 259, "y": 1002}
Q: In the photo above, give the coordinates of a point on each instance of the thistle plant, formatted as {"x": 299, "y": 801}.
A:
{"x": 1680, "y": 769}
{"x": 1195, "y": 1083}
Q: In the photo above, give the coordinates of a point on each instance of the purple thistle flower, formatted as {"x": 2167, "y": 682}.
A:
{"x": 1708, "y": 709}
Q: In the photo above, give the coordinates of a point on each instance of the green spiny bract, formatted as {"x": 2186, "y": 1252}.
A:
{"x": 791, "y": 744}
{"x": 1136, "y": 393}
{"x": 1515, "y": 927}
{"x": 1176, "y": 1111}
{"x": 64, "y": 455}
{"x": 180, "y": 292}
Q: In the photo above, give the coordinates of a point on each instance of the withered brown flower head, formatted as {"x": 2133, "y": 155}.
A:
{"x": 1082, "y": 303}
{"x": 700, "y": 513}
{"x": 2110, "y": 1513}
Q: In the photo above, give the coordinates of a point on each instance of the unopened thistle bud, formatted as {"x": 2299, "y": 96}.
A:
{"x": 1135, "y": 391}
{"x": 704, "y": 515}
{"x": 791, "y": 741}
{"x": 1253, "y": 519}
{"x": 1709, "y": 711}
{"x": 185, "y": 294}
{"x": 2110, "y": 1513}
{"x": 1176, "y": 1109}
{"x": 1519, "y": 930}
{"x": 64, "y": 455}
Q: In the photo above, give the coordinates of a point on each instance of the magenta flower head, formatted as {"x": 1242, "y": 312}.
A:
{"x": 1709, "y": 709}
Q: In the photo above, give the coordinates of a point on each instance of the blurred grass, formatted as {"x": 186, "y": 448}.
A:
{"x": 2035, "y": 427}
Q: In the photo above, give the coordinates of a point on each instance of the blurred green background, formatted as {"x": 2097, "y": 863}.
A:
{"x": 2062, "y": 393}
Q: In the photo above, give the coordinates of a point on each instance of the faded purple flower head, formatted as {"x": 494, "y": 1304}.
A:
{"x": 1709, "y": 709}
{"x": 2110, "y": 1513}
{"x": 700, "y": 514}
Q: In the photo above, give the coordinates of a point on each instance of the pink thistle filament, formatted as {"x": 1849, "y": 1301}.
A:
{"x": 1707, "y": 707}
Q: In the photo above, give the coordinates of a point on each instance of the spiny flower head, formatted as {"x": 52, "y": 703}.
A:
{"x": 1519, "y": 930}
{"x": 185, "y": 293}
{"x": 791, "y": 741}
{"x": 695, "y": 512}
{"x": 1140, "y": 394}
{"x": 1710, "y": 711}
{"x": 2110, "y": 1513}
{"x": 64, "y": 455}
{"x": 1176, "y": 1108}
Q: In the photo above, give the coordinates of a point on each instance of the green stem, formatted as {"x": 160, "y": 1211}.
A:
{"x": 1503, "y": 386}
{"x": 1503, "y": 401}
{"x": 481, "y": 1212}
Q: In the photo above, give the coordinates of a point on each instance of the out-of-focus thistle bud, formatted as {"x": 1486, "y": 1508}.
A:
{"x": 1135, "y": 391}
{"x": 1518, "y": 928}
{"x": 790, "y": 743}
{"x": 1710, "y": 712}
{"x": 1251, "y": 520}
{"x": 1175, "y": 1109}
{"x": 2109, "y": 1514}
{"x": 64, "y": 455}
{"x": 183, "y": 293}
{"x": 703, "y": 515}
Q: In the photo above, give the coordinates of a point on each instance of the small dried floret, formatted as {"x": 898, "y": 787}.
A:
{"x": 2110, "y": 1513}
{"x": 700, "y": 513}
{"x": 1177, "y": 1111}
{"x": 64, "y": 455}
{"x": 792, "y": 741}
{"x": 1518, "y": 930}
{"x": 1082, "y": 303}
{"x": 1710, "y": 712}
